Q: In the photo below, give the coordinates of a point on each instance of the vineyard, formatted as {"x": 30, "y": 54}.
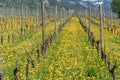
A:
{"x": 59, "y": 45}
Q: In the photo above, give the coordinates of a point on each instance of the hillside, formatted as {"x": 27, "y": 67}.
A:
{"x": 31, "y": 4}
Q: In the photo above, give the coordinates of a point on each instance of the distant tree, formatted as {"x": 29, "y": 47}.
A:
{"x": 116, "y": 6}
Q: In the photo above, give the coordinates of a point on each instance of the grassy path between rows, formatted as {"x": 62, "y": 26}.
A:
{"x": 71, "y": 57}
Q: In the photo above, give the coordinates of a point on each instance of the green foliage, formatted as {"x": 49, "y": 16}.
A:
{"x": 116, "y": 6}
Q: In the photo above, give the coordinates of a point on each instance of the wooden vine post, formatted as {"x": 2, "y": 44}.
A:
{"x": 1, "y": 76}
{"x": 38, "y": 52}
{"x": 55, "y": 29}
{"x": 68, "y": 14}
{"x": 110, "y": 20}
{"x": 60, "y": 18}
{"x": 8, "y": 38}
{"x": 89, "y": 22}
{"x": 103, "y": 19}
{"x": 16, "y": 69}
{"x": 101, "y": 27}
{"x": 63, "y": 12}
{"x": 2, "y": 40}
{"x": 86, "y": 15}
{"x": 22, "y": 19}
{"x": 51, "y": 15}
{"x": 27, "y": 69}
{"x": 114, "y": 25}
{"x": 43, "y": 26}
{"x": 16, "y": 73}
{"x": 5, "y": 8}
{"x": 37, "y": 18}
{"x": 13, "y": 38}
{"x": 12, "y": 17}
{"x": 1, "y": 17}
{"x": 1, "y": 69}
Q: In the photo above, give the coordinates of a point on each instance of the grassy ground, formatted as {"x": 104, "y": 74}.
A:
{"x": 71, "y": 57}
